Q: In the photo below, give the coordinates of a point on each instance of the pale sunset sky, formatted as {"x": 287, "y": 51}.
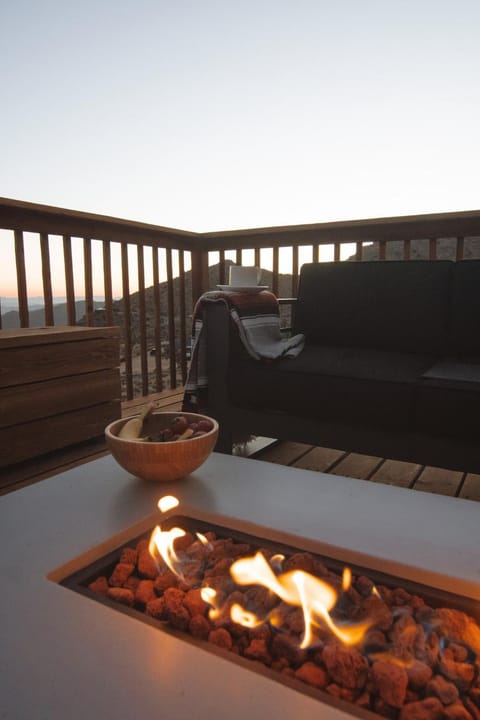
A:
{"x": 207, "y": 115}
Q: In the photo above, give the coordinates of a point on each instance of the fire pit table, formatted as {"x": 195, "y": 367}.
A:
{"x": 62, "y": 655}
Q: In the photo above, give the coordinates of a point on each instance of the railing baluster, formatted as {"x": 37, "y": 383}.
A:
{"x": 69, "y": 283}
{"x": 275, "y": 271}
{"x": 127, "y": 338}
{"x": 142, "y": 317}
{"x": 295, "y": 271}
{"x": 183, "y": 312}
{"x": 46, "y": 279}
{"x": 359, "y": 251}
{"x": 257, "y": 257}
{"x": 407, "y": 249}
{"x": 171, "y": 322}
{"x": 460, "y": 248}
{"x": 87, "y": 261}
{"x": 221, "y": 269}
{"x": 432, "y": 249}
{"x": 315, "y": 253}
{"x": 107, "y": 282}
{"x": 157, "y": 320}
{"x": 336, "y": 252}
{"x": 21, "y": 279}
{"x": 382, "y": 250}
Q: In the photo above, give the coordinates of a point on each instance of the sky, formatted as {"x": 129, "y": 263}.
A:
{"x": 215, "y": 115}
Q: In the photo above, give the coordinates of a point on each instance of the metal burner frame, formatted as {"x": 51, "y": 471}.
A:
{"x": 79, "y": 580}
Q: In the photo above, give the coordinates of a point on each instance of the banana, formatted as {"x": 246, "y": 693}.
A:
{"x": 132, "y": 430}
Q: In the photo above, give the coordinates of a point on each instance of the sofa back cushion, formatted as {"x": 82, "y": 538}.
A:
{"x": 389, "y": 305}
{"x": 465, "y": 308}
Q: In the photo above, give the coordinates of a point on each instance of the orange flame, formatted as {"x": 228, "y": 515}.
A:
{"x": 161, "y": 543}
{"x": 346, "y": 579}
{"x": 167, "y": 502}
{"x": 205, "y": 541}
{"x": 209, "y": 595}
{"x": 244, "y": 617}
{"x": 298, "y": 588}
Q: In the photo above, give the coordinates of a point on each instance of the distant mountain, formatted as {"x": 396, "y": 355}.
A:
{"x": 36, "y": 318}
{"x": 420, "y": 249}
{"x": 35, "y": 302}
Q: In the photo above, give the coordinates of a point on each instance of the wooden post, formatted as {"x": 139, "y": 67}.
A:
{"x": 200, "y": 281}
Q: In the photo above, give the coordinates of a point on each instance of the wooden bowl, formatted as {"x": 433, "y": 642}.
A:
{"x": 161, "y": 461}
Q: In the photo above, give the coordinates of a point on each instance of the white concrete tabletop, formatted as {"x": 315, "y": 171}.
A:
{"x": 63, "y": 655}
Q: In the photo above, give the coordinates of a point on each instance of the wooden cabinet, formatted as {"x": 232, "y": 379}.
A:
{"x": 58, "y": 386}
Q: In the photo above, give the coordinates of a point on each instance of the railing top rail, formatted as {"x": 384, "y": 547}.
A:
{"x": 33, "y": 217}
{"x": 19, "y": 215}
{"x": 454, "y": 224}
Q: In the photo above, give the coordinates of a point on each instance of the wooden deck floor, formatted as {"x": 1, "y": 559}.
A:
{"x": 335, "y": 462}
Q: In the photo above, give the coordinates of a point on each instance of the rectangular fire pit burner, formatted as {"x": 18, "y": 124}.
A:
{"x": 379, "y": 646}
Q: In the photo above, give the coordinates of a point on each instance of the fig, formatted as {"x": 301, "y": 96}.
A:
{"x": 167, "y": 434}
{"x": 205, "y": 425}
{"x": 179, "y": 424}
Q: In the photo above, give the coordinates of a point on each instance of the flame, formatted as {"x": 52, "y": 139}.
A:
{"x": 298, "y": 588}
{"x": 295, "y": 587}
{"x": 205, "y": 541}
{"x": 161, "y": 545}
{"x": 162, "y": 541}
{"x": 346, "y": 579}
{"x": 244, "y": 617}
{"x": 167, "y": 502}
{"x": 209, "y": 595}
{"x": 375, "y": 592}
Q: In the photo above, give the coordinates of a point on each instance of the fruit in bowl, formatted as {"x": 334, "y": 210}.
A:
{"x": 162, "y": 446}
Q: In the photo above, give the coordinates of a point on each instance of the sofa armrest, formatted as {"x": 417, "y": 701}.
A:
{"x": 217, "y": 326}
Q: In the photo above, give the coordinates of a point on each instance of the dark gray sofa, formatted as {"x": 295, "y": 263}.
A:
{"x": 391, "y": 365}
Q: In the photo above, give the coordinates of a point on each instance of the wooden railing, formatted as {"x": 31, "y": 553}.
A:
{"x": 162, "y": 271}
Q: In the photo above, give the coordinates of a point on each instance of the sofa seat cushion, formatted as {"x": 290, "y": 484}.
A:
{"x": 352, "y": 385}
{"x": 448, "y": 401}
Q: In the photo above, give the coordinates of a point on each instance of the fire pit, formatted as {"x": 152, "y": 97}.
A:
{"x": 63, "y": 654}
{"x": 370, "y": 643}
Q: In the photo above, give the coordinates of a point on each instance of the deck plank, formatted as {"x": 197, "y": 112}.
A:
{"x": 439, "y": 481}
{"x": 470, "y": 489}
{"x": 357, "y": 466}
{"x": 319, "y": 459}
{"x": 395, "y": 472}
{"x": 285, "y": 453}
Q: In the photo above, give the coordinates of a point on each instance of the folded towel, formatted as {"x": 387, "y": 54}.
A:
{"x": 257, "y": 319}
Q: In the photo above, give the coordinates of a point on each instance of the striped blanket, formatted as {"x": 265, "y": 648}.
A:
{"x": 257, "y": 320}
